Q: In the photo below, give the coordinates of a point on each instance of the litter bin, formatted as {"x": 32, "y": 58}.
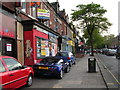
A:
{"x": 91, "y": 65}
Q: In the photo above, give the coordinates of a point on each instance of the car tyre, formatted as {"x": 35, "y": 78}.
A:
{"x": 70, "y": 64}
{"x": 60, "y": 75}
{"x": 67, "y": 69}
{"x": 74, "y": 62}
{"x": 29, "y": 81}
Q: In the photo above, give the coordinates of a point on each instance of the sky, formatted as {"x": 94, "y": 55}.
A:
{"x": 110, "y": 5}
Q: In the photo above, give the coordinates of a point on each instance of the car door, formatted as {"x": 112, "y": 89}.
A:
{"x": 18, "y": 77}
{"x": 4, "y": 77}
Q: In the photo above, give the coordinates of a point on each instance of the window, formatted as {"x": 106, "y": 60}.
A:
{"x": 62, "y": 54}
{"x": 23, "y": 5}
{"x": 46, "y": 23}
{"x": 12, "y": 64}
{"x": 2, "y": 68}
{"x": 34, "y": 12}
{"x": 42, "y": 47}
{"x": 55, "y": 27}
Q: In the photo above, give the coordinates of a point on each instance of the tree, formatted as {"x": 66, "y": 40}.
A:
{"x": 90, "y": 18}
{"x": 108, "y": 40}
{"x": 98, "y": 39}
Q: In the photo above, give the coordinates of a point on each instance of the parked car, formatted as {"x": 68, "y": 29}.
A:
{"x": 51, "y": 66}
{"x": 67, "y": 57}
{"x": 111, "y": 52}
{"x": 118, "y": 53}
{"x": 104, "y": 50}
{"x": 14, "y": 75}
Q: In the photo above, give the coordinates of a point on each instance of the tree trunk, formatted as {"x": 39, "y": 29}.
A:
{"x": 91, "y": 43}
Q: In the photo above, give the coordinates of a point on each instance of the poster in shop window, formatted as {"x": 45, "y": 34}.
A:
{"x": 43, "y": 46}
{"x": 9, "y": 47}
{"x": 38, "y": 48}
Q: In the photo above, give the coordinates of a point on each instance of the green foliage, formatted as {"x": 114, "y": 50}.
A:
{"x": 90, "y": 19}
{"x": 98, "y": 39}
{"x": 108, "y": 39}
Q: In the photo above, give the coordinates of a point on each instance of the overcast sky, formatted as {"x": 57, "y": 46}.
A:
{"x": 110, "y": 5}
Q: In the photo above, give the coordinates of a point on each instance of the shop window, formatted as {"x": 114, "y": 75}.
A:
{"x": 42, "y": 48}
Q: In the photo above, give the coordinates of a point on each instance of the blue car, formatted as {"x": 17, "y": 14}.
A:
{"x": 51, "y": 66}
{"x": 67, "y": 57}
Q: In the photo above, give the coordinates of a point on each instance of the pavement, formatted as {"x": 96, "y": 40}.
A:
{"x": 83, "y": 78}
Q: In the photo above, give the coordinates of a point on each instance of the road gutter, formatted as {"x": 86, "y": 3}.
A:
{"x": 102, "y": 75}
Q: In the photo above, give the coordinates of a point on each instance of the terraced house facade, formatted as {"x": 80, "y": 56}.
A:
{"x": 34, "y": 29}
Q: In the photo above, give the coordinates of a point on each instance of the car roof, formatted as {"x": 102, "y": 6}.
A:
{"x": 6, "y": 57}
{"x": 64, "y": 51}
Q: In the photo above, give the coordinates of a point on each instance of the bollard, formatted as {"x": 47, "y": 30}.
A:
{"x": 91, "y": 65}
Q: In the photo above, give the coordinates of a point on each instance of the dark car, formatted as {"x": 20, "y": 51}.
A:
{"x": 67, "y": 57}
{"x": 13, "y": 74}
{"x": 118, "y": 53}
{"x": 51, "y": 66}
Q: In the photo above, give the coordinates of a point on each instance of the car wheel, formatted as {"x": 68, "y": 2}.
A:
{"x": 67, "y": 69}
{"x": 29, "y": 81}
{"x": 60, "y": 75}
{"x": 70, "y": 64}
{"x": 74, "y": 62}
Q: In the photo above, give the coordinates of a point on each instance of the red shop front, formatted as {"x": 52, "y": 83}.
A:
{"x": 35, "y": 43}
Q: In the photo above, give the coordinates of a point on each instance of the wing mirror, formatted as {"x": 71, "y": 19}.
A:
{"x": 24, "y": 66}
{"x": 61, "y": 61}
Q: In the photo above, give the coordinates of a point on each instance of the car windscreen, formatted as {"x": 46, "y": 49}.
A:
{"x": 50, "y": 60}
{"x": 64, "y": 54}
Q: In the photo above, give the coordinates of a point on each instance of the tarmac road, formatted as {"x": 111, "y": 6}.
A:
{"x": 111, "y": 70}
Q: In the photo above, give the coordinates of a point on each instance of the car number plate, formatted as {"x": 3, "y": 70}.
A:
{"x": 43, "y": 67}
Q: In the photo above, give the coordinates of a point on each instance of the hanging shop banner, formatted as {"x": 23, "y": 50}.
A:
{"x": 43, "y": 14}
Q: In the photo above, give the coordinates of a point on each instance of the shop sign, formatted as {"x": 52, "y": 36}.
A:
{"x": 71, "y": 43}
{"x": 52, "y": 38}
{"x": 35, "y": 3}
{"x": 7, "y": 26}
{"x": 43, "y": 14}
{"x": 7, "y": 34}
{"x": 40, "y": 29}
{"x": 9, "y": 47}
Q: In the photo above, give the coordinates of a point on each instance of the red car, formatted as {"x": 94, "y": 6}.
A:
{"x": 13, "y": 74}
